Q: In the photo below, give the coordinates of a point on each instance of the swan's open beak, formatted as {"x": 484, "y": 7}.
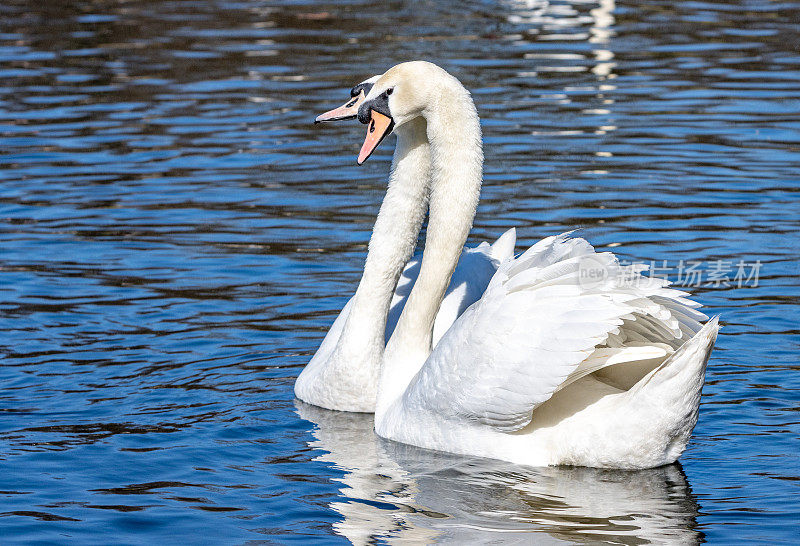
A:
{"x": 379, "y": 126}
{"x": 348, "y": 110}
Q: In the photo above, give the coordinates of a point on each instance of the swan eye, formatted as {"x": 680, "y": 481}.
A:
{"x": 389, "y": 91}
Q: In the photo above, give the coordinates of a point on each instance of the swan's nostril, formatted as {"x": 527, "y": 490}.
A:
{"x": 372, "y": 126}
{"x": 351, "y": 103}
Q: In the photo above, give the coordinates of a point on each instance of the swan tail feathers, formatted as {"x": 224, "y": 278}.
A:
{"x": 670, "y": 394}
{"x": 687, "y": 365}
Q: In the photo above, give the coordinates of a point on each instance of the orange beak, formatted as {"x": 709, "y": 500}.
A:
{"x": 379, "y": 126}
{"x": 348, "y": 110}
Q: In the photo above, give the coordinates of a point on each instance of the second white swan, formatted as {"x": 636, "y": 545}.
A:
{"x": 343, "y": 373}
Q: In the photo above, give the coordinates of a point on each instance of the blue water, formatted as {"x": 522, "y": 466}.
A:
{"x": 176, "y": 236}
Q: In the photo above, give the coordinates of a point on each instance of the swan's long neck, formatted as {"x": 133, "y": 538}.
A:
{"x": 391, "y": 245}
{"x": 457, "y": 162}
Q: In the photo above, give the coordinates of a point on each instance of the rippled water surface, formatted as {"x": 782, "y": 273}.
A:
{"x": 176, "y": 236}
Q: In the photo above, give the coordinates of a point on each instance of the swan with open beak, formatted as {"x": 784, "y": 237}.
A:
{"x": 376, "y": 115}
{"x": 349, "y": 110}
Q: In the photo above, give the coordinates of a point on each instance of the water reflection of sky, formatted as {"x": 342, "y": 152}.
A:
{"x": 177, "y": 236}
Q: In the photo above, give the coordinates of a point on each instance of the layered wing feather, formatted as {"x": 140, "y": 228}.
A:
{"x": 554, "y": 314}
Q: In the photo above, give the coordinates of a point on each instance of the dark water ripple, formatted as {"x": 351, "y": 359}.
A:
{"x": 177, "y": 236}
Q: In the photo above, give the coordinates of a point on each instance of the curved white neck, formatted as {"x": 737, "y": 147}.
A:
{"x": 457, "y": 162}
{"x": 391, "y": 245}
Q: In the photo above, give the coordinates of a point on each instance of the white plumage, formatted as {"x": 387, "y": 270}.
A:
{"x": 519, "y": 375}
{"x": 565, "y": 356}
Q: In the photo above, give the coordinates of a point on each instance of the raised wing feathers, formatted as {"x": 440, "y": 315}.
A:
{"x": 541, "y": 317}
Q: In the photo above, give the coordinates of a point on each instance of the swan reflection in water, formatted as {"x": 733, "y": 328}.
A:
{"x": 400, "y": 493}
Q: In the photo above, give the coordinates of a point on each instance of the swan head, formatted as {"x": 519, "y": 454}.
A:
{"x": 404, "y": 92}
{"x": 349, "y": 110}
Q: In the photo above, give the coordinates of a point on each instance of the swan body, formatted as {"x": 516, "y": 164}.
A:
{"x": 504, "y": 386}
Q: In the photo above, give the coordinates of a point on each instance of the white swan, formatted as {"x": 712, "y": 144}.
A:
{"x": 550, "y": 366}
{"x": 343, "y": 373}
